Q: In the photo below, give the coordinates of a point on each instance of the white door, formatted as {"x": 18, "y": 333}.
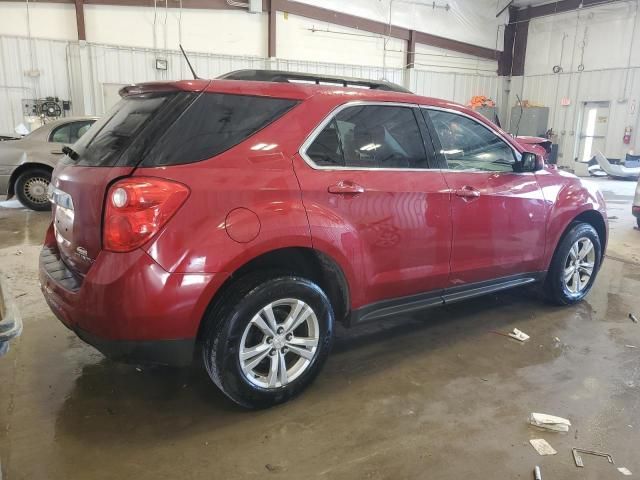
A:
{"x": 593, "y": 129}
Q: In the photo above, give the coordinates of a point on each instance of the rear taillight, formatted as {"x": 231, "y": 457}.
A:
{"x": 137, "y": 208}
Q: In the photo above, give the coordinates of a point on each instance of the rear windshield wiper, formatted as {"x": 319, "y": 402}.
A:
{"x": 70, "y": 152}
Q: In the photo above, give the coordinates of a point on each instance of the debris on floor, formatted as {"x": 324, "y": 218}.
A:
{"x": 519, "y": 335}
{"x": 273, "y": 468}
{"x": 625, "y": 471}
{"x": 542, "y": 446}
{"x": 633, "y": 318}
{"x": 631, "y": 346}
{"x": 549, "y": 422}
{"x": 536, "y": 473}
{"x": 578, "y": 459}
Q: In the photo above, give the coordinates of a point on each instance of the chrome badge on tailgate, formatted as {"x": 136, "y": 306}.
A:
{"x": 63, "y": 215}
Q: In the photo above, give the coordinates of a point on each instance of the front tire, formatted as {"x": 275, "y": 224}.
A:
{"x": 31, "y": 188}
{"x": 574, "y": 265}
{"x": 266, "y": 341}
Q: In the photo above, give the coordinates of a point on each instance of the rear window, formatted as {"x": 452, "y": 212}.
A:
{"x": 106, "y": 141}
{"x": 212, "y": 124}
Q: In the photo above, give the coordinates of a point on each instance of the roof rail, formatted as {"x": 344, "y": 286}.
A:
{"x": 298, "y": 77}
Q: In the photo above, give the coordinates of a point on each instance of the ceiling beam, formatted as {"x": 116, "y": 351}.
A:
{"x": 561, "y": 6}
{"x": 314, "y": 13}
{"x": 381, "y": 28}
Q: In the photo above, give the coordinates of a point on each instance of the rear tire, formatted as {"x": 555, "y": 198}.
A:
{"x": 574, "y": 265}
{"x": 250, "y": 350}
{"x": 31, "y": 188}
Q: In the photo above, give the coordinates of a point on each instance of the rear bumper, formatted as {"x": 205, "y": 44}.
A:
{"x": 156, "y": 352}
{"x": 10, "y": 320}
{"x": 128, "y": 306}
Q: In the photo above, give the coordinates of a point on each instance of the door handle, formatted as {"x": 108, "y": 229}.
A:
{"x": 467, "y": 192}
{"x": 346, "y": 187}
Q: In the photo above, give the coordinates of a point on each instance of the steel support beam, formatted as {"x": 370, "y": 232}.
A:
{"x": 272, "y": 35}
{"x": 82, "y": 34}
{"x": 411, "y": 49}
{"x": 561, "y": 6}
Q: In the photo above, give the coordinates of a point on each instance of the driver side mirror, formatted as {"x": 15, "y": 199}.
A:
{"x": 530, "y": 162}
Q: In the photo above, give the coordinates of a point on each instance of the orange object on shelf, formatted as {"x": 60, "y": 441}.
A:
{"x": 478, "y": 101}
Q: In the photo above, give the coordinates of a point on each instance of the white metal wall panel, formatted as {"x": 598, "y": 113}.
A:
{"x": 455, "y": 87}
{"x": 395, "y": 75}
{"x": 17, "y": 56}
{"x": 123, "y": 65}
{"x": 580, "y": 87}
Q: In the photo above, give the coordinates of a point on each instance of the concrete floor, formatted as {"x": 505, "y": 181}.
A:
{"x": 433, "y": 396}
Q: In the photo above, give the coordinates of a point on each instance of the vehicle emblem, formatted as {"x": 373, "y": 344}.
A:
{"x": 82, "y": 253}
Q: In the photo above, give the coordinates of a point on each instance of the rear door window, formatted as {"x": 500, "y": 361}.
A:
{"x": 212, "y": 124}
{"x": 61, "y": 134}
{"x": 371, "y": 136}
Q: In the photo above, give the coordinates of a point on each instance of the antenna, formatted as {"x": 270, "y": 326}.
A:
{"x": 193, "y": 72}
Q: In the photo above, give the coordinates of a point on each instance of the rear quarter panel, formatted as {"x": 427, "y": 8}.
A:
{"x": 197, "y": 240}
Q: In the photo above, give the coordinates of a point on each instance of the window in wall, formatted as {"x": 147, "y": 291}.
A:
{"x": 469, "y": 145}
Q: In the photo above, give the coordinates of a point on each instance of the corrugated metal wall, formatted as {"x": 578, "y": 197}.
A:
{"x": 17, "y": 57}
{"x": 458, "y": 87}
{"x": 113, "y": 65}
{"x": 395, "y": 75}
{"x": 90, "y": 74}
{"x": 579, "y": 87}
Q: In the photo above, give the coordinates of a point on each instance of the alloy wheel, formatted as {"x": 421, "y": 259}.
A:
{"x": 279, "y": 343}
{"x": 579, "y": 265}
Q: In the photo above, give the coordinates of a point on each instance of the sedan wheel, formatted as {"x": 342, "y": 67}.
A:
{"x": 35, "y": 189}
{"x": 31, "y": 188}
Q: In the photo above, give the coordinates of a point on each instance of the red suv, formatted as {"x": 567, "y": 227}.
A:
{"x": 243, "y": 218}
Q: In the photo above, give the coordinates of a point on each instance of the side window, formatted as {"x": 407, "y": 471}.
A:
{"x": 213, "y": 123}
{"x": 371, "y": 136}
{"x": 78, "y": 129}
{"x": 469, "y": 145}
{"x": 326, "y": 150}
{"x": 61, "y": 134}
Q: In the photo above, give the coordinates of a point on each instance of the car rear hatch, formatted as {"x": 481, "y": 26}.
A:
{"x": 111, "y": 149}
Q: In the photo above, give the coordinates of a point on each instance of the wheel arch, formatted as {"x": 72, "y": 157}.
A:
{"x": 11, "y": 190}
{"x": 307, "y": 262}
{"x": 592, "y": 217}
